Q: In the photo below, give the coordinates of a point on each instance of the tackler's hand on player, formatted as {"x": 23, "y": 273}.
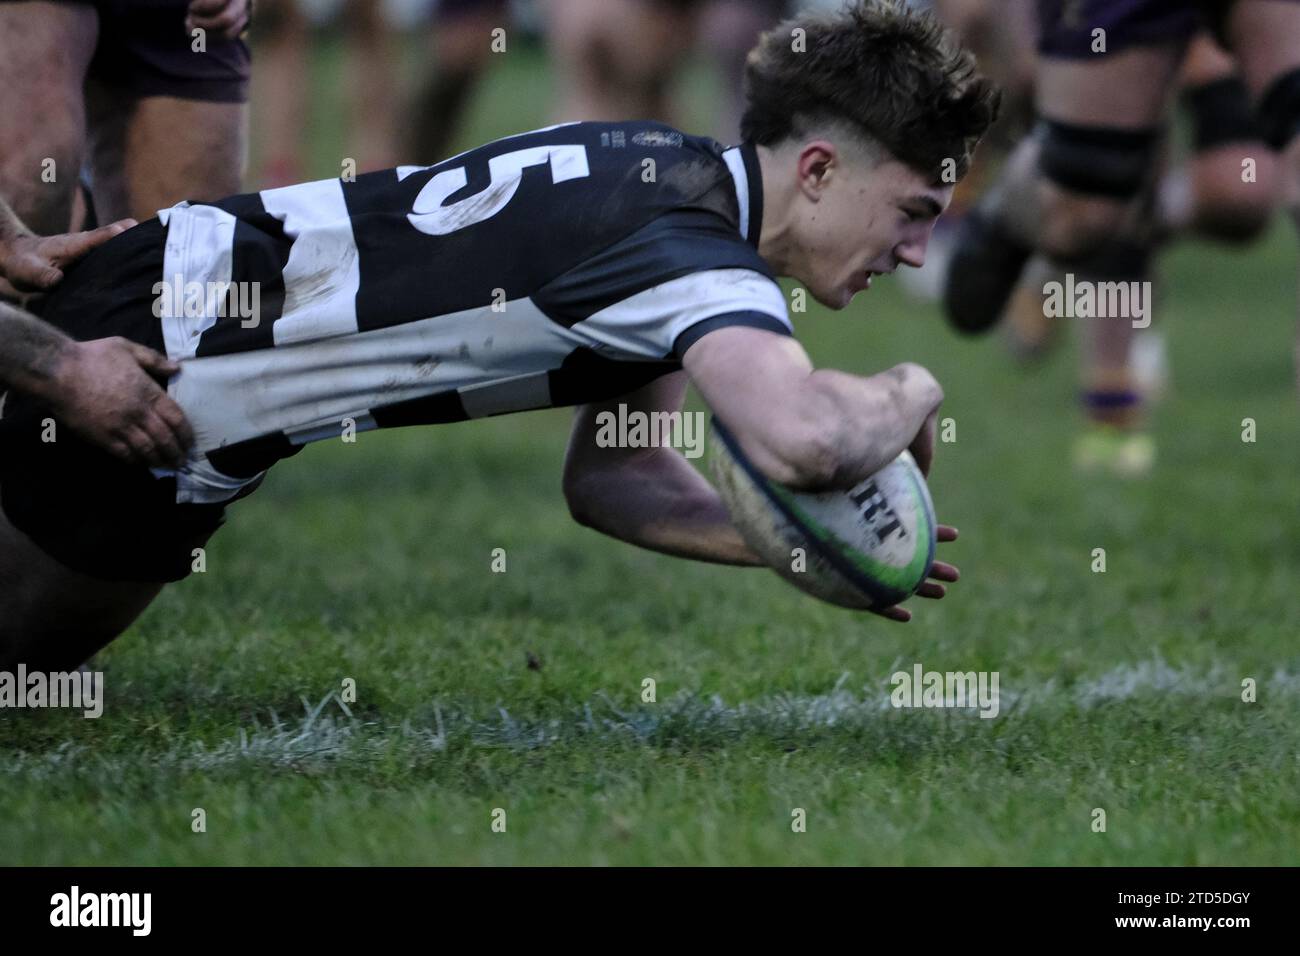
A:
{"x": 940, "y": 571}
{"x": 107, "y": 392}
{"x": 226, "y": 18}
{"x": 34, "y": 263}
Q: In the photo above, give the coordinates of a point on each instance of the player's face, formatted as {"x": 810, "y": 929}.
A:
{"x": 868, "y": 219}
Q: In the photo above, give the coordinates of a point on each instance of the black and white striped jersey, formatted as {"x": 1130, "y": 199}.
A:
{"x": 566, "y": 265}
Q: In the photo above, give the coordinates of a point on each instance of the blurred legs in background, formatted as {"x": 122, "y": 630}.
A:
{"x": 728, "y": 31}
{"x": 286, "y": 102}
{"x": 616, "y": 59}
{"x": 1001, "y": 34}
{"x": 461, "y": 43}
{"x": 1123, "y": 367}
{"x": 1266, "y": 36}
{"x": 1081, "y": 193}
{"x": 280, "y": 96}
{"x": 372, "y": 66}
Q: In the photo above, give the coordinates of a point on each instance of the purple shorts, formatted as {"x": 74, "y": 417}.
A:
{"x": 454, "y": 9}
{"x": 145, "y": 50}
{"x": 1065, "y": 27}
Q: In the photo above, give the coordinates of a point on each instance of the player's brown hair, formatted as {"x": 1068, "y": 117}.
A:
{"x": 879, "y": 68}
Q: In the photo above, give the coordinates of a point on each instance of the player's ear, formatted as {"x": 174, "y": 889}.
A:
{"x": 818, "y": 161}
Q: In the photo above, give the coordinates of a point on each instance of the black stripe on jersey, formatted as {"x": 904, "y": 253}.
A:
{"x": 583, "y": 376}
{"x": 677, "y": 243}
{"x": 753, "y": 320}
{"x": 259, "y": 254}
{"x": 587, "y": 376}
{"x": 438, "y": 409}
{"x": 249, "y": 208}
{"x": 246, "y": 459}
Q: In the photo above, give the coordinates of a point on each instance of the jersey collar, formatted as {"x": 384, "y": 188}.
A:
{"x": 747, "y": 177}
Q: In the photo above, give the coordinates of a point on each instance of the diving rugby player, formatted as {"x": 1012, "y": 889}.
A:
{"x": 586, "y": 264}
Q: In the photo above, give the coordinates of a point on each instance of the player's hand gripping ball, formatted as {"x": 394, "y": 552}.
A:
{"x": 867, "y": 548}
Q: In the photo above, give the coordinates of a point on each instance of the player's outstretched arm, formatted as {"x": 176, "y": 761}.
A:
{"x": 648, "y": 496}
{"x": 818, "y": 429}
{"x": 102, "y": 390}
{"x": 812, "y": 429}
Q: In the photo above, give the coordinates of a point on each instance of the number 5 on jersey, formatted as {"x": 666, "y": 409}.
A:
{"x": 430, "y": 216}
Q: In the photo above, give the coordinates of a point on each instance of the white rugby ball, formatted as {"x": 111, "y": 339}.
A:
{"x": 866, "y": 548}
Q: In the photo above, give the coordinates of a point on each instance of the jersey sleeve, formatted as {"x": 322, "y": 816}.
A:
{"x": 654, "y": 294}
{"x": 667, "y": 319}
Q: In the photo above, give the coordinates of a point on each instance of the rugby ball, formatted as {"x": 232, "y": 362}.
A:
{"x": 867, "y": 548}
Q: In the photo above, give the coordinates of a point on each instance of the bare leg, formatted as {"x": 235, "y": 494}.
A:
{"x": 1210, "y": 196}
{"x": 45, "y": 49}
{"x": 151, "y": 153}
{"x": 53, "y": 618}
{"x": 1081, "y": 229}
{"x": 1126, "y": 90}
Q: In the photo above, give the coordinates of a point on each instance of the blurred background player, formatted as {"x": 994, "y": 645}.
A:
{"x": 461, "y": 44}
{"x": 1001, "y": 34}
{"x": 609, "y": 58}
{"x": 285, "y": 94}
{"x": 620, "y": 58}
{"x": 1205, "y": 195}
{"x": 1082, "y": 189}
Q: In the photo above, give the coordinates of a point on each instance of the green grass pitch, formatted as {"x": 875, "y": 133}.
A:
{"x": 1120, "y": 690}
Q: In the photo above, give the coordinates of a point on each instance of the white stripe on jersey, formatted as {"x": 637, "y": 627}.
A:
{"x": 650, "y": 321}
{"x": 736, "y": 163}
{"x": 323, "y": 273}
{"x": 199, "y": 240}
{"x": 302, "y": 388}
